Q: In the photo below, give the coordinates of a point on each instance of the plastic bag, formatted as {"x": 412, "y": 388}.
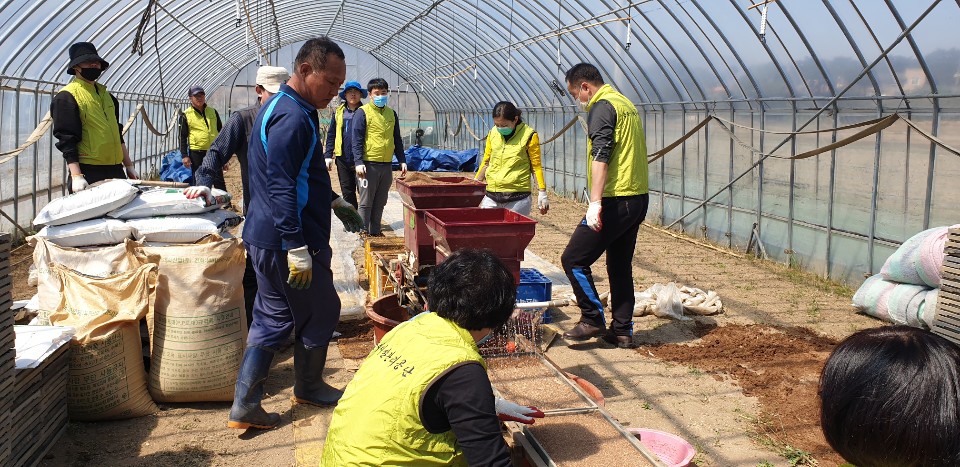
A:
{"x": 669, "y": 302}
{"x": 173, "y": 170}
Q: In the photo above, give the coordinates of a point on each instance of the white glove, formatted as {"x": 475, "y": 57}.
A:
{"x": 362, "y": 171}
{"x": 403, "y": 169}
{"x": 78, "y": 183}
{"x": 329, "y": 162}
{"x": 300, "y": 265}
{"x": 508, "y": 411}
{"x": 593, "y": 216}
{"x": 132, "y": 173}
{"x": 198, "y": 191}
{"x": 542, "y": 203}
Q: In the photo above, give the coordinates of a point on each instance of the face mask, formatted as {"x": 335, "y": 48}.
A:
{"x": 484, "y": 339}
{"x": 90, "y": 74}
{"x": 505, "y": 131}
{"x": 380, "y": 101}
{"x": 582, "y": 105}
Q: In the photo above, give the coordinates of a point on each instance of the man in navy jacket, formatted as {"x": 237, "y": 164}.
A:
{"x": 287, "y": 235}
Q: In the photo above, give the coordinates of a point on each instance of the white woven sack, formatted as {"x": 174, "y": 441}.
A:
{"x": 168, "y": 202}
{"x": 223, "y": 218}
{"x": 173, "y": 229}
{"x": 87, "y": 233}
{"x": 87, "y": 204}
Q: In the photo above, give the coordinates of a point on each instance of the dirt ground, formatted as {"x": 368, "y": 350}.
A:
{"x": 693, "y": 378}
{"x": 740, "y": 386}
{"x": 779, "y": 366}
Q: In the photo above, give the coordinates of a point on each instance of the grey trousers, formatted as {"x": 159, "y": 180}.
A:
{"x": 373, "y": 197}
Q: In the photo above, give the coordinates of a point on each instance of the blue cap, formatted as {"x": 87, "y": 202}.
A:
{"x": 353, "y": 85}
{"x": 194, "y": 90}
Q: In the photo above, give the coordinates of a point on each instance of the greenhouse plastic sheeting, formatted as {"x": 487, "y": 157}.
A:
{"x": 421, "y": 159}
{"x": 173, "y": 170}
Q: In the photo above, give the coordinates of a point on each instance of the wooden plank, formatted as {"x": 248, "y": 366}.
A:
{"x": 949, "y": 334}
{"x": 950, "y": 287}
{"x": 948, "y": 310}
{"x": 943, "y": 299}
{"x": 947, "y": 317}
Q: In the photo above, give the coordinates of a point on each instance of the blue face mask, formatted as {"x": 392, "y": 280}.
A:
{"x": 380, "y": 101}
{"x": 505, "y": 131}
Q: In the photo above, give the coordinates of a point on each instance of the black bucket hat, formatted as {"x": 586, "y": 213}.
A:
{"x": 83, "y": 52}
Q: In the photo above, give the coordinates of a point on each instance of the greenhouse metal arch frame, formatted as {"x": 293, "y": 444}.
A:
{"x": 796, "y": 67}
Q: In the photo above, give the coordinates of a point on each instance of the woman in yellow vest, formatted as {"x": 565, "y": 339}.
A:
{"x": 422, "y": 397}
{"x": 511, "y": 154}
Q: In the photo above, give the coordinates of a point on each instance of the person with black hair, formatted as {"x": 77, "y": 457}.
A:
{"x": 890, "y": 396}
{"x": 376, "y": 141}
{"x": 422, "y": 396}
{"x": 287, "y": 236}
{"x": 511, "y": 154}
{"x": 86, "y": 123}
{"x": 617, "y": 184}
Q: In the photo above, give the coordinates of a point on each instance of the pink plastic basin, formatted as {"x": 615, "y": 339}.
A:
{"x": 671, "y": 449}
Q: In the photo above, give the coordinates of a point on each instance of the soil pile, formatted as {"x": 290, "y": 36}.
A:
{"x": 778, "y": 365}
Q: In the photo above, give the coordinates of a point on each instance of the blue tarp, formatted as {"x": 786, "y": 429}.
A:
{"x": 422, "y": 159}
{"x": 172, "y": 169}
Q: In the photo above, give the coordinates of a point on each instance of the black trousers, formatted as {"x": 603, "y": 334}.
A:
{"x": 621, "y": 218}
{"x": 196, "y": 160}
{"x": 347, "y": 174}
{"x": 96, "y": 173}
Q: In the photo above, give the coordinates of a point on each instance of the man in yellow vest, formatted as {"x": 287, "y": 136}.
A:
{"x": 376, "y": 141}
{"x": 617, "y": 183}
{"x": 86, "y": 123}
{"x": 422, "y": 397}
{"x": 339, "y": 146}
{"x": 199, "y": 126}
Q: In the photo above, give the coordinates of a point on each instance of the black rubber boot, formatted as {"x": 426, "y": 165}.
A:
{"x": 246, "y": 411}
{"x": 309, "y": 387}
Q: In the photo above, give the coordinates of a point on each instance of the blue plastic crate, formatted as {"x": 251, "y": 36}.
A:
{"x": 535, "y": 287}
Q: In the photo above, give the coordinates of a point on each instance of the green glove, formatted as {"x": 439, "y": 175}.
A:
{"x": 352, "y": 222}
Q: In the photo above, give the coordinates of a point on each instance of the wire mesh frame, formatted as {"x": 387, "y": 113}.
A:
{"x": 38, "y": 175}
{"x": 774, "y": 196}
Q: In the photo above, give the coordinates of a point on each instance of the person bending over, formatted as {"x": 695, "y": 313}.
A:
{"x": 422, "y": 397}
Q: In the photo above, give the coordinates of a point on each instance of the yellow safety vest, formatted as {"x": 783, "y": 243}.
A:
{"x": 203, "y": 129}
{"x": 338, "y": 135}
{"x": 379, "y": 145}
{"x": 627, "y": 170}
{"x": 377, "y": 422}
{"x": 509, "y": 167}
{"x": 100, "y": 135}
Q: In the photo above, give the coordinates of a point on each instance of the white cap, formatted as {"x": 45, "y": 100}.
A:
{"x": 271, "y": 77}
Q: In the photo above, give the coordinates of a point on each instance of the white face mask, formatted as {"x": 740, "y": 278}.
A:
{"x": 582, "y": 105}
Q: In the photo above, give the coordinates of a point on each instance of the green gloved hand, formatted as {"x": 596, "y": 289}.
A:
{"x": 352, "y": 222}
{"x": 301, "y": 268}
